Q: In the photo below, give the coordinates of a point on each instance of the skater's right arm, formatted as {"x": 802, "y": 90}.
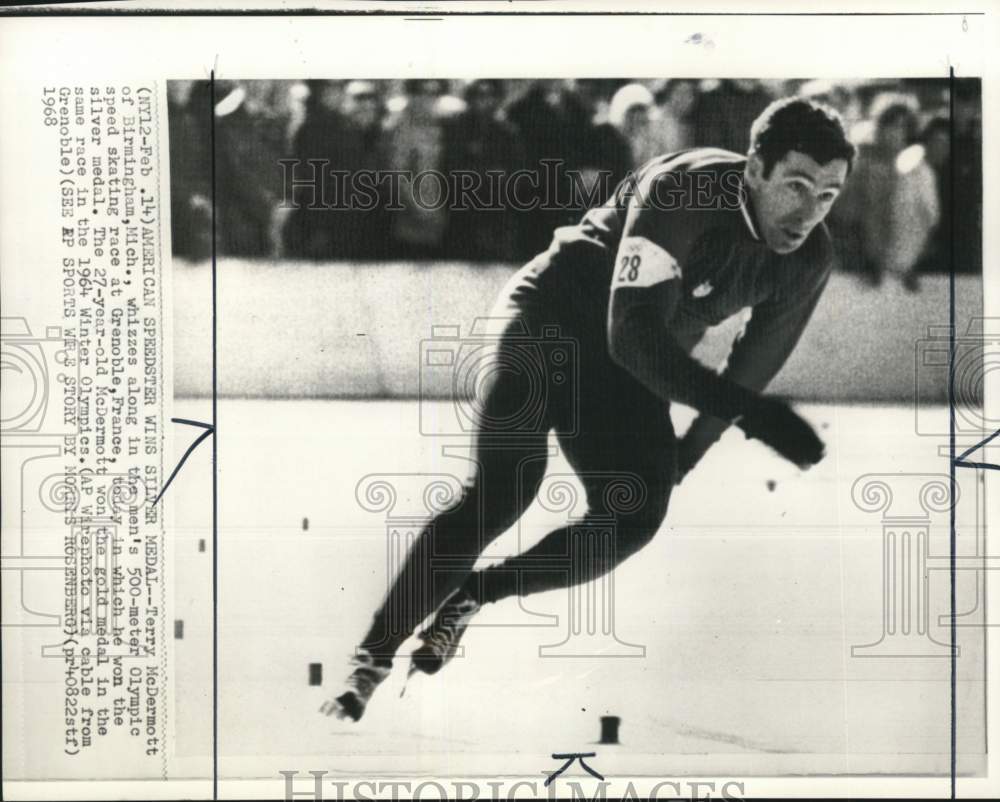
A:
{"x": 645, "y": 293}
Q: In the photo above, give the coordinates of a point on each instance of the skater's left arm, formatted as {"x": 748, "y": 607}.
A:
{"x": 758, "y": 353}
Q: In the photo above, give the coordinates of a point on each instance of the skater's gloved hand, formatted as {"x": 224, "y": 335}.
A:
{"x": 774, "y": 423}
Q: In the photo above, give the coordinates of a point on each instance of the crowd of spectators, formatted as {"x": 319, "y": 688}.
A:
{"x": 572, "y": 141}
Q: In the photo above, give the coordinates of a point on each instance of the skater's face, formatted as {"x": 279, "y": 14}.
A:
{"x": 792, "y": 200}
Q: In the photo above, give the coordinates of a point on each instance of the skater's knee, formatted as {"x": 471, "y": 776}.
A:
{"x": 481, "y": 514}
{"x": 638, "y": 527}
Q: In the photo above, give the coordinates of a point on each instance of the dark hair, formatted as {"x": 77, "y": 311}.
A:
{"x": 803, "y": 125}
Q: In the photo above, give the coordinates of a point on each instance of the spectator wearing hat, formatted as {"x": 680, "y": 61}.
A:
{"x": 672, "y": 125}
{"x": 190, "y": 168}
{"x": 414, "y": 146}
{"x": 597, "y": 151}
{"x": 576, "y": 158}
{"x": 360, "y": 222}
{"x": 481, "y": 151}
{"x": 251, "y": 119}
{"x": 317, "y": 143}
{"x": 968, "y": 166}
{"x": 630, "y": 112}
{"x": 725, "y": 111}
{"x": 896, "y": 205}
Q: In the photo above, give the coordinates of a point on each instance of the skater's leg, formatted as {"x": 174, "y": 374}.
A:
{"x": 557, "y": 560}
{"x": 624, "y": 453}
{"x": 510, "y": 465}
{"x": 443, "y": 555}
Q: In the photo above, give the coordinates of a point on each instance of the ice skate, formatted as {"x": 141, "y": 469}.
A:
{"x": 367, "y": 674}
{"x": 440, "y": 639}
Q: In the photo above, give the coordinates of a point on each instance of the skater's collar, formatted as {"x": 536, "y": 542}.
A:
{"x": 746, "y": 211}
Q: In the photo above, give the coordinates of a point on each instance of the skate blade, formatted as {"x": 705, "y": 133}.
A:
{"x": 410, "y": 672}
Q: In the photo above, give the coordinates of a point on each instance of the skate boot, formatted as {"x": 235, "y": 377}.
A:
{"x": 440, "y": 639}
{"x": 367, "y": 674}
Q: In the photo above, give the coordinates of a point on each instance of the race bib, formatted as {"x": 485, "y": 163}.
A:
{"x": 643, "y": 263}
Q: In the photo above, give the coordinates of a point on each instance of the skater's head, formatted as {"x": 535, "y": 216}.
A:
{"x": 798, "y": 161}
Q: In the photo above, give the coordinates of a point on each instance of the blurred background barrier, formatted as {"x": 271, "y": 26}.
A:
{"x": 310, "y": 330}
{"x": 482, "y": 171}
